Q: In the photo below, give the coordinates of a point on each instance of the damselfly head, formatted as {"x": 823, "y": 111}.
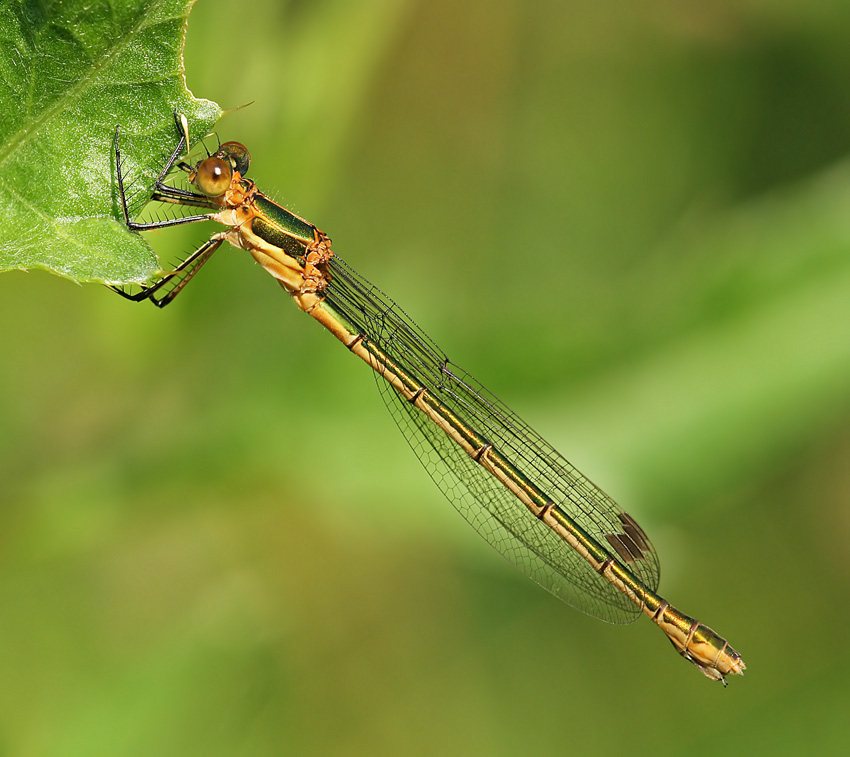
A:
{"x": 213, "y": 175}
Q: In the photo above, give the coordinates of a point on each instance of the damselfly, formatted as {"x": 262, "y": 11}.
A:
{"x": 513, "y": 487}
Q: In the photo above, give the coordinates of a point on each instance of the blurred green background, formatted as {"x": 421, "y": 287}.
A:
{"x": 630, "y": 221}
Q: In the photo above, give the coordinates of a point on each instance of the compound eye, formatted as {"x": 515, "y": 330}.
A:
{"x": 213, "y": 177}
{"x": 237, "y": 154}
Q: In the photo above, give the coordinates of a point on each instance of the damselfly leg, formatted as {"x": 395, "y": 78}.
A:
{"x": 165, "y": 289}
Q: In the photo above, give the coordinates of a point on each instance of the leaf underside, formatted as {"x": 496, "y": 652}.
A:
{"x": 70, "y": 73}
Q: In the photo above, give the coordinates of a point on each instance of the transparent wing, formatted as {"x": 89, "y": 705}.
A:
{"x": 497, "y": 514}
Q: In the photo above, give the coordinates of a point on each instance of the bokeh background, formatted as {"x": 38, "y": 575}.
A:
{"x": 630, "y": 221}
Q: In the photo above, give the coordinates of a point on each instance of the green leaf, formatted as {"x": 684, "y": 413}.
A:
{"x": 70, "y": 72}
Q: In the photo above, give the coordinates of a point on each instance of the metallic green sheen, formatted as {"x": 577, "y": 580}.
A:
{"x": 271, "y": 233}
{"x": 287, "y": 223}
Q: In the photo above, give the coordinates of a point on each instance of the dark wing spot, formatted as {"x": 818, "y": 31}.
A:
{"x": 636, "y": 533}
{"x": 624, "y": 547}
{"x": 632, "y": 543}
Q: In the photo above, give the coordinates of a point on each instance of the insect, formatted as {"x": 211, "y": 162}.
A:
{"x": 512, "y": 486}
